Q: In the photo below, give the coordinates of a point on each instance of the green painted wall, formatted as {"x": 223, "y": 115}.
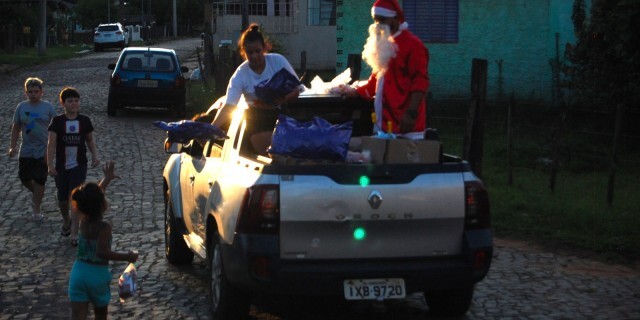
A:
{"x": 354, "y": 18}
{"x": 519, "y": 33}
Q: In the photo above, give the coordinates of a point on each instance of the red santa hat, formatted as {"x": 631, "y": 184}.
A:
{"x": 387, "y": 9}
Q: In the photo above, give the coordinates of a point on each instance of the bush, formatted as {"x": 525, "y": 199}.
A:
{"x": 200, "y": 96}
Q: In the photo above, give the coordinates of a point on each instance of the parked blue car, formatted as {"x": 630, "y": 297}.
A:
{"x": 147, "y": 77}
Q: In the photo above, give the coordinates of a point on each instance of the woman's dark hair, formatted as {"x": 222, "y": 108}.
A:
{"x": 252, "y": 34}
{"x": 89, "y": 199}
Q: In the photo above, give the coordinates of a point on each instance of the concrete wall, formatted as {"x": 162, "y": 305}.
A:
{"x": 520, "y": 33}
{"x": 292, "y": 32}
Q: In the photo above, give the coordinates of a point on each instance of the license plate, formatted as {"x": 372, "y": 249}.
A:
{"x": 374, "y": 289}
{"x": 147, "y": 83}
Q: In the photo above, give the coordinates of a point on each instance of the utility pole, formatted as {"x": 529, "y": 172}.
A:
{"x": 175, "y": 20}
{"x": 42, "y": 28}
{"x": 245, "y": 15}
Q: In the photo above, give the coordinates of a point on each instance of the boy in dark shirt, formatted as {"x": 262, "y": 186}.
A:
{"x": 70, "y": 134}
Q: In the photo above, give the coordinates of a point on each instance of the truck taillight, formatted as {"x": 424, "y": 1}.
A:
{"x": 477, "y": 212}
{"x": 260, "y": 211}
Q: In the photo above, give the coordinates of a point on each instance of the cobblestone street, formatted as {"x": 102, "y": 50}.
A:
{"x": 525, "y": 282}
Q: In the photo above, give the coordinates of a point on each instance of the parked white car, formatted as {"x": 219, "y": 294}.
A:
{"x": 110, "y": 35}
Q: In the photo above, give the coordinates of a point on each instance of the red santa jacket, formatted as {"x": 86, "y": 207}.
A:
{"x": 407, "y": 72}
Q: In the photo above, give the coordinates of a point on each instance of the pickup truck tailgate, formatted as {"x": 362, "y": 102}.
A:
{"x": 321, "y": 219}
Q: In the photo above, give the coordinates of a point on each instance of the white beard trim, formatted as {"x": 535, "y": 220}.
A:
{"x": 379, "y": 48}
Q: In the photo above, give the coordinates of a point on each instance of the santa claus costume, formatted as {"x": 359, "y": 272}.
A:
{"x": 406, "y": 72}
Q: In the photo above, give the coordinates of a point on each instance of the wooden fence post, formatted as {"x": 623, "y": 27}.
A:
{"x": 512, "y": 101}
{"x": 557, "y": 141}
{"x": 354, "y": 62}
{"x": 203, "y": 74}
{"x": 614, "y": 151}
{"x": 209, "y": 56}
{"x": 303, "y": 63}
{"x": 474, "y": 133}
{"x": 225, "y": 68}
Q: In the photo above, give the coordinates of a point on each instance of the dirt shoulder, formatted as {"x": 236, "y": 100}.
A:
{"x": 596, "y": 264}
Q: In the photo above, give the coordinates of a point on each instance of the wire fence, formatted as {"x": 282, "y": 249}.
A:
{"x": 543, "y": 137}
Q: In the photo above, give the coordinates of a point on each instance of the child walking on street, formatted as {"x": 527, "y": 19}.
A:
{"x": 70, "y": 134}
{"x": 31, "y": 119}
{"x": 90, "y": 278}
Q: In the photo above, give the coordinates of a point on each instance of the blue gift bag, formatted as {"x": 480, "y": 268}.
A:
{"x": 317, "y": 139}
{"x": 281, "y": 84}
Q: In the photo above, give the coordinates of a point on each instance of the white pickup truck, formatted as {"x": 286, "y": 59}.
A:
{"x": 361, "y": 231}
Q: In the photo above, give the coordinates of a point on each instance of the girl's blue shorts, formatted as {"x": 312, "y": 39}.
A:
{"x": 90, "y": 283}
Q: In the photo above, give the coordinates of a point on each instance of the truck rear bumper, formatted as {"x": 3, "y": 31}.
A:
{"x": 252, "y": 263}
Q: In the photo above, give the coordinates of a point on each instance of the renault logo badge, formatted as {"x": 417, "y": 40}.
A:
{"x": 375, "y": 199}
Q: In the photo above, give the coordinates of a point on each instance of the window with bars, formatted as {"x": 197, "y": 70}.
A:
{"x": 234, "y": 7}
{"x": 433, "y": 21}
{"x": 282, "y": 8}
{"x": 321, "y": 13}
{"x": 276, "y": 16}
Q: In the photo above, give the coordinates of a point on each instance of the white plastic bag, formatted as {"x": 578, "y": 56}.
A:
{"x": 195, "y": 75}
{"x": 340, "y": 79}
{"x": 318, "y": 86}
{"x": 127, "y": 284}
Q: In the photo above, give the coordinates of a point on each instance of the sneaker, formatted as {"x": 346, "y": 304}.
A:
{"x": 65, "y": 231}
{"x": 37, "y": 216}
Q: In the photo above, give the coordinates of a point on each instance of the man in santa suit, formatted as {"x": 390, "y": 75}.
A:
{"x": 399, "y": 78}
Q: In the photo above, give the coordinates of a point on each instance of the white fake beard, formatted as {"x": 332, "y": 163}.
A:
{"x": 379, "y": 48}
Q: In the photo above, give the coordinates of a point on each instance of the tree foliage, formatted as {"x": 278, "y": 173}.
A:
{"x": 91, "y": 13}
{"x": 604, "y": 68}
{"x": 19, "y": 14}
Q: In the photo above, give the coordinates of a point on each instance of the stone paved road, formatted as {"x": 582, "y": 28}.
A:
{"x": 524, "y": 282}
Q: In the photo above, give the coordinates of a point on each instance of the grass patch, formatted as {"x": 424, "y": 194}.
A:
{"x": 29, "y": 56}
{"x": 575, "y": 215}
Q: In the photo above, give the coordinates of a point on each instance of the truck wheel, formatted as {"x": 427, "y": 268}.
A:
{"x": 227, "y": 301}
{"x": 175, "y": 248}
{"x": 453, "y": 303}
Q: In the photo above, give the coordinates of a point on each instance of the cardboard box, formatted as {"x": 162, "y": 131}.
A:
{"x": 413, "y": 151}
{"x": 402, "y": 151}
{"x": 377, "y": 147}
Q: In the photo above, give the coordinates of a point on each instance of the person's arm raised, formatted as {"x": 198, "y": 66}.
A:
{"x": 109, "y": 174}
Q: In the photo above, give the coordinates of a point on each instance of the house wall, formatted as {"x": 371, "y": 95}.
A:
{"x": 519, "y": 33}
{"x": 354, "y": 18}
{"x": 292, "y": 33}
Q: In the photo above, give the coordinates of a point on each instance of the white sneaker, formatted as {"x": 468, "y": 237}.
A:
{"x": 37, "y": 216}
